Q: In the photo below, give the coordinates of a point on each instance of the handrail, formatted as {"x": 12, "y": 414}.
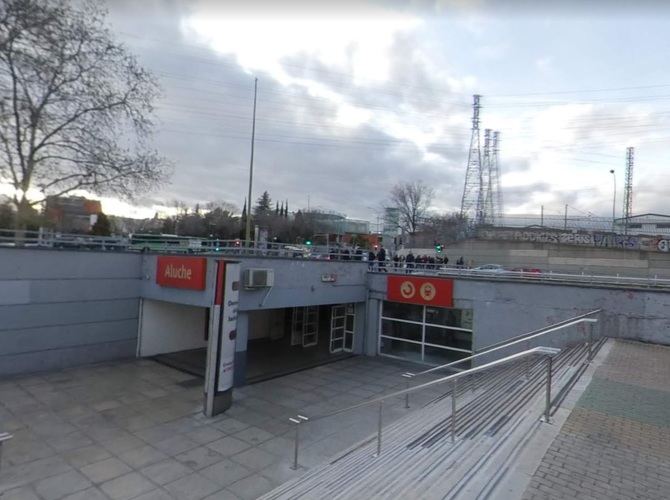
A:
{"x": 4, "y": 436}
{"x": 546, "y": 351}
{"x": 582, "y": 318}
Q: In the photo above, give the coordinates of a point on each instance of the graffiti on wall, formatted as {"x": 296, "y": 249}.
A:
{"x": 598, "y": 240}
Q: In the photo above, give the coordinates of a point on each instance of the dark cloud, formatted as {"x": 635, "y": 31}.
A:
{"x": 301, "y": 149}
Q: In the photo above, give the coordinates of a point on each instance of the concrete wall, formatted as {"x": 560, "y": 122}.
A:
{"x": 560, "y": 258}
{"x": 63, "y": 308}
{"x": 502, "y": 310}
{"x": 297, "y": 283}
{"x": 167, "y": 327}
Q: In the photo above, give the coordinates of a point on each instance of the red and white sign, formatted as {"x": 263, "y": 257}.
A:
{"x": 182, "y": 272}
{"x": 418, "y": 290}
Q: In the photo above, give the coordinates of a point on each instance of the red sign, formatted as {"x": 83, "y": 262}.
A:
{"x": 182, "y": 272}
{"x": 418, "y": 290}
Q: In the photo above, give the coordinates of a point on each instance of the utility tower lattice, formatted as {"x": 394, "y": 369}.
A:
{"x": 472, "y": 201}
{"x": 498, "y": 210}
{"x": 487, "y": 215}
{"x": 628, "y": 188}
{"x": 493, "y": 208}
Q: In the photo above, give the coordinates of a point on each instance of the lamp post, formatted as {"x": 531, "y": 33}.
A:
{"x": 613, "y": 198}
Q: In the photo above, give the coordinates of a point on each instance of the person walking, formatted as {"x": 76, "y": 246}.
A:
{"x": 371, "y": 261}
{"x": 381, "y": 258}
{"x": 409, "y": 260}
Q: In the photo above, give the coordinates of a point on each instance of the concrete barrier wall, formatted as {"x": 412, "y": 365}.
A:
{"x": 560, "y": 258}
{"x": 64, "y": 308}
{"x": 502, "y": 310}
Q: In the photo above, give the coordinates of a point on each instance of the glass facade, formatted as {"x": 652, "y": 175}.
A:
{"x": 432, "y": 335}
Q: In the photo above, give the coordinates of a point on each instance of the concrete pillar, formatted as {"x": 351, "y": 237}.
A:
{"x": 372, "y": 327}
{"x": 240, "y": 373}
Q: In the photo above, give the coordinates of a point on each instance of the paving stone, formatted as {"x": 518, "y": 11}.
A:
{"x": 117, "y": 446}
{"x": 105, "y": 470}
{"x": 251, "y": 487}
{"x": 205, "y": 435}
{"x": 231, "y": 425}
{"x": 166, "y": 471}
{"x": 228, "y": 446}
{"x": 255, "y": 458}
{"x": 86, "y": 455}
{"x": 157, "y": 494}
{"x": 69, "y": 442}
{"x": 192, "y": 487}
{"x": 615, "y": 443}
{"x": 176, "y": 445}
{"x": 253, "y": 435}
{"x": 92, "y": 493}
{"x": 226, "y": 472}
{"x": 61, "y": 485}
{"x": 127, "y": 486}
{"x": 200, "y": 457}
{"x": 223, "y": 495}
{"x": 143, "y": 456}
{"x": 23, "y": 493}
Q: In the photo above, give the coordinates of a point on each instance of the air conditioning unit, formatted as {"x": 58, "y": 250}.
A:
{"x": 259, "y": 278}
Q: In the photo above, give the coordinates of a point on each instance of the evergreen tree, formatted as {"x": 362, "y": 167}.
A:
{"x": 263, "y": 204}
{"x": 102, "y": 226}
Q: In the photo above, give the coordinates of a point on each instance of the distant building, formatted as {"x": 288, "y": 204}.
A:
{"x": 337, "y": 224}
{"x": 649, "y": 224}
{"x": 72, "y": 214}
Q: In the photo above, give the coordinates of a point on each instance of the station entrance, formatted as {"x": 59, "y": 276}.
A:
{"x": 282, "y": 341}
{"x": 175, "y": 335}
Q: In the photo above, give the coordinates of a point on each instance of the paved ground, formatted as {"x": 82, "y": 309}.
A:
{"x": 616, "y": 442}
{"x": 135, "y": 430}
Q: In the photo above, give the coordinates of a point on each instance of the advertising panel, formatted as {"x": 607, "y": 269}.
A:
{"x": 227, "y": 296}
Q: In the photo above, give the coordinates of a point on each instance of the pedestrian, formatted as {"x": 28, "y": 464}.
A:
{"x": 381, "y": 258}
{"x": 409, "y": 260}
{"x": 371, "y": 261}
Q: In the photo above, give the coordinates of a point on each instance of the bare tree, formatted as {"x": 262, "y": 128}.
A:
{"x": 75, "y": 106}
{"x": 412, "y": 200}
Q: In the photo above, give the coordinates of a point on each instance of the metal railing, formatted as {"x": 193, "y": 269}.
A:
{"x": 4, "y": 436}
{"x": 548, "y": 352}
{"x": 342, "y": 253}
{"x": 524, "y": 337}
{"x": 526, "y": 275}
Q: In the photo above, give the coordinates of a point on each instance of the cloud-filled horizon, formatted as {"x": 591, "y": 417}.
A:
{"x": 355, "y": 98}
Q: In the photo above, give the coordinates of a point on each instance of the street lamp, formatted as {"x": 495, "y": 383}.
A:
{"x": 613, "y": 198}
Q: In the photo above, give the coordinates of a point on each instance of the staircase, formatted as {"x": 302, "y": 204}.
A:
{"x": 497, "y": 412}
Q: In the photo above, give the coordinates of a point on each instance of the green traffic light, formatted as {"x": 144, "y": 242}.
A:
{"x": 308, "y": 242}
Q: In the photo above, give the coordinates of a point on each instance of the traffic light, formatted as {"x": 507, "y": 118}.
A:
{"x": 308, "y": 242}
{"x": 438, "y": 247}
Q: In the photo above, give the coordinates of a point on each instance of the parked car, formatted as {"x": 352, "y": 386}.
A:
{"x": 529, "y": 270}
{"x": 491, "y": 268}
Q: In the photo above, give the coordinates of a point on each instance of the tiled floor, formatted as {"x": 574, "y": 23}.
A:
{"x": 135, "y": 430}
{"x": 616, "y": 442}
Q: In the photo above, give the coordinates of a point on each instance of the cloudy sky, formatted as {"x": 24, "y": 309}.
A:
{"x": 354, "y": 97}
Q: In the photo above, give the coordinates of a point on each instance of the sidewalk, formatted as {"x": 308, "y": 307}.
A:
{"x": 616, "y": 442}
{"x": 136, "y": 430}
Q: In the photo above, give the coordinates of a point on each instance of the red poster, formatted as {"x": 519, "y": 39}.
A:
{"x": 182, "y": 272}
{"x": 419, "y": 290}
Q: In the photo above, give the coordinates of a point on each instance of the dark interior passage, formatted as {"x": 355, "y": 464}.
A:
{"x": 283, "y": 341}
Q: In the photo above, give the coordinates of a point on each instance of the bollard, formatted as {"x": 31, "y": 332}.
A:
{"x": 407, "y": 376}
{"x": 527, "y": 361}
{"x": 296, "y": 443}
{"x": 453, "y": 410}
{"x": 548, "y": 405}
{"x": 379, "y": 429}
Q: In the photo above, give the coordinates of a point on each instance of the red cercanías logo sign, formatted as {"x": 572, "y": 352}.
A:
{"x": 182, "y": 272}
{"x": 418, "y": 290}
